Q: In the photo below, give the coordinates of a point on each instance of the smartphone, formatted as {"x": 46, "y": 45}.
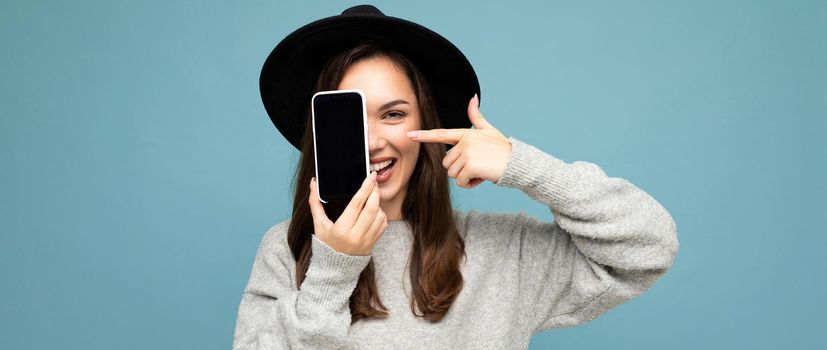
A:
{"x": 340, "y": 143}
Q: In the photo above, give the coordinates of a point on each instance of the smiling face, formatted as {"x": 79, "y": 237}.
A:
{"x": 393, "y": 110}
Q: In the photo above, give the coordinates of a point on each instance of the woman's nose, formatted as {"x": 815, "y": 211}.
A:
{"x": 375, "y": 140}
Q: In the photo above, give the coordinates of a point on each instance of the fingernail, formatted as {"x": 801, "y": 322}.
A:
{"x": 477, "y": 99}
{"x": 413, "y": 134}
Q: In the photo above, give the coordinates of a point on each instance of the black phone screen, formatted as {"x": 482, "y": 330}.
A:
{"x": 339, "y": 139}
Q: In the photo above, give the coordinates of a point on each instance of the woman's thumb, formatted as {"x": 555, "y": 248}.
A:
{"x": 475, "y": 115}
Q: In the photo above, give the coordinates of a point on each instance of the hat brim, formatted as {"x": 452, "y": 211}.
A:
{"x": 289, "y": 74}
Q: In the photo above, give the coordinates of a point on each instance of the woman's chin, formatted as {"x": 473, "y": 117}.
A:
{"x": 385, "y": 194}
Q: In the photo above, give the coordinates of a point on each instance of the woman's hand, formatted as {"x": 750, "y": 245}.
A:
{"x": 360, "y": 225}
{"x": 478, "y": 154}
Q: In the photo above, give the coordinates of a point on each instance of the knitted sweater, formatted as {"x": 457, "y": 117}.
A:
{"x": 608, "y": 243}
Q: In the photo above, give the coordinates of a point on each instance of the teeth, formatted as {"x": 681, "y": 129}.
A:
{"x": 377, "y": 166}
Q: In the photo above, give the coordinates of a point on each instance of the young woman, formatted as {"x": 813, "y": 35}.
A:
{"x": 397, "y": 266}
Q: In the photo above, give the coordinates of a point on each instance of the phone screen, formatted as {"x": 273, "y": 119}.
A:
{"x": 339, "y": 138}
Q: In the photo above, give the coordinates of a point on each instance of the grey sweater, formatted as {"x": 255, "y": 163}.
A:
{"x": 609, "y": 242}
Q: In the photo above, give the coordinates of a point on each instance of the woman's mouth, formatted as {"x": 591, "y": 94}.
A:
{"x": 384, "y": 170}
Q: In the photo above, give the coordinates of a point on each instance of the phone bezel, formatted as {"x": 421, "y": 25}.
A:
{"x": 364, "y": 128}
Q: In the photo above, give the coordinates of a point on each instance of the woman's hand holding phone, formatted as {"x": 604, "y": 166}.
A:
{"x": 360, "y": 225}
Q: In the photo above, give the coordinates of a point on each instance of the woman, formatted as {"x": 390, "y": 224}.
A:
{"x": 397, "y": 267}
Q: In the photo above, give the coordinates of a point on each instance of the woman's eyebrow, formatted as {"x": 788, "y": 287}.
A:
{"x": 392, "y": 103}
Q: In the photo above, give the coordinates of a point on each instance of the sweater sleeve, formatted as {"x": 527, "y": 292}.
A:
{"x": 608, "y": 243}
{"x": 275, "y": 314}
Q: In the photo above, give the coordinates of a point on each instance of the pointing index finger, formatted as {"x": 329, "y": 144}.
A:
{"x": 449, "y": 136}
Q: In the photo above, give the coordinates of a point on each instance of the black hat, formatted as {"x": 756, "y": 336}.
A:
{"x": 289, "y": 74}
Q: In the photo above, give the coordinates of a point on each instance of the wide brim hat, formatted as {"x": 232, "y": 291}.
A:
{"x": 289, "y": 74}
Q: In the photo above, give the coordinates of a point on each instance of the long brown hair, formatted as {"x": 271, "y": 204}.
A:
{"x": 437, "y": 247}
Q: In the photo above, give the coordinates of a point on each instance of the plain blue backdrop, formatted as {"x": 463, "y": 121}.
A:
{"x": 139, "y": 170}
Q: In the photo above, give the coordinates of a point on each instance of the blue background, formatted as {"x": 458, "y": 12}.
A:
{"x": 138, "y": 169}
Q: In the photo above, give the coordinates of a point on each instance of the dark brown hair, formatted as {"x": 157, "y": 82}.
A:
{"x": 437, "y": 246}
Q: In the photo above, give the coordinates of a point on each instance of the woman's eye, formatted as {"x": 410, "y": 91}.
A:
{"x": 394, "y": 115}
